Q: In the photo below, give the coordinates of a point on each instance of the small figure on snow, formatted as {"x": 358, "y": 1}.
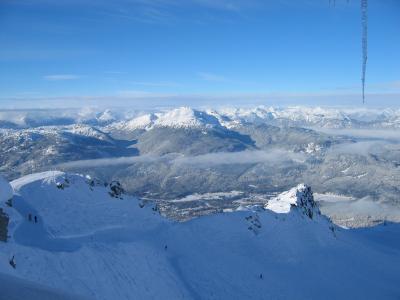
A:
{"x": 12, "y": 262}
{"x": 30, "y": 217}
{"x": 166, "y": 247}
{"x": 261, "y": 276}
{"x": 36, "y": 219}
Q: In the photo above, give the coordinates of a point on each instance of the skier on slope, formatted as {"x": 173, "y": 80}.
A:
{"x": 12, "y": 262}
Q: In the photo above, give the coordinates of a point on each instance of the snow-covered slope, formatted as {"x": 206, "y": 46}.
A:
{"x": 92, "y": 240}
{"x": 13, "y": 288}
{"x": 87, "y": 131}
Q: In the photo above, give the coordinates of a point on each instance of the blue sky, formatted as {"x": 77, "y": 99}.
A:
{"x": 190, "y": 49}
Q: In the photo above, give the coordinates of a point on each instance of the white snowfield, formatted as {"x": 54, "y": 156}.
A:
{"x": 94, "y": 243}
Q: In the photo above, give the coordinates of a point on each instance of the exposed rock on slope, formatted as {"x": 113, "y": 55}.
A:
{"x": 3, "y": 226}
{"x": 300, "y": 198}
{"x": 6, "y": 194}
{"x": 6, "y": 191}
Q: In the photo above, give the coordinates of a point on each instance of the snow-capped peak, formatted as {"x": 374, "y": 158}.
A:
{"x": 87, "y": 131}
{"x": 106, "y": 116}
{"x": 300, "y": 197}
{"x": 186, "y": 117}
{"x": 182, "y": 117}
{"x": 142, "y": 122}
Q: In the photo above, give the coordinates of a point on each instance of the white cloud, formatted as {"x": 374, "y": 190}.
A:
{"x": 155, "y": 84}
{"x": 59, "y": 77}
{"x": 230, "y": 5}
{"x": 242, "y": 157}
{"x": 104, "y": 162}
{"x": 387, "y": 134}
{"x": 114, "y": 72}
{"x": 211, "y": 159}
{"x": 150, "y": 100}
{"x": 211, "y": 77}
{"x": 134, "y": 93}
{"x": 390, "y": 85}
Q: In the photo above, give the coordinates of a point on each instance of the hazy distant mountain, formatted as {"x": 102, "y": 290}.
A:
{"x": 131, "y": 119}
{"x": 29, "y": 150}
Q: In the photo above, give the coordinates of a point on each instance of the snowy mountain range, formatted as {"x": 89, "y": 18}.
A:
{"x": 351, "y": 157}
{"x": 189, "y": 117}
{"x": 74, "y": 237}
{"x": 185, "y": 117}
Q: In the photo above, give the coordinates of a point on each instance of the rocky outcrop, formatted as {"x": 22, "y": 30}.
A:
{"x": 6, "y": 191}
{"x": 299, "y": 198}
{"x": 305, "y": 201}
{"x": 6, "y": 194}
{"x": 3, "y": 226}
{"x": 116, "y": 190}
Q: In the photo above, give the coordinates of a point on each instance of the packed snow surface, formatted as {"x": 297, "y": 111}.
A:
{"x": 91, "y": 240}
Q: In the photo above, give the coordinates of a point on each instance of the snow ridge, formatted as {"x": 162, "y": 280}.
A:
{"x": 185, "y": 117}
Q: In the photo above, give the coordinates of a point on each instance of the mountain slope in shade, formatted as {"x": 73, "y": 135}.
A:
{"x": 6, "y": 191}
{"x": 13, "y": 288}
{"x": 92, "y": 240}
